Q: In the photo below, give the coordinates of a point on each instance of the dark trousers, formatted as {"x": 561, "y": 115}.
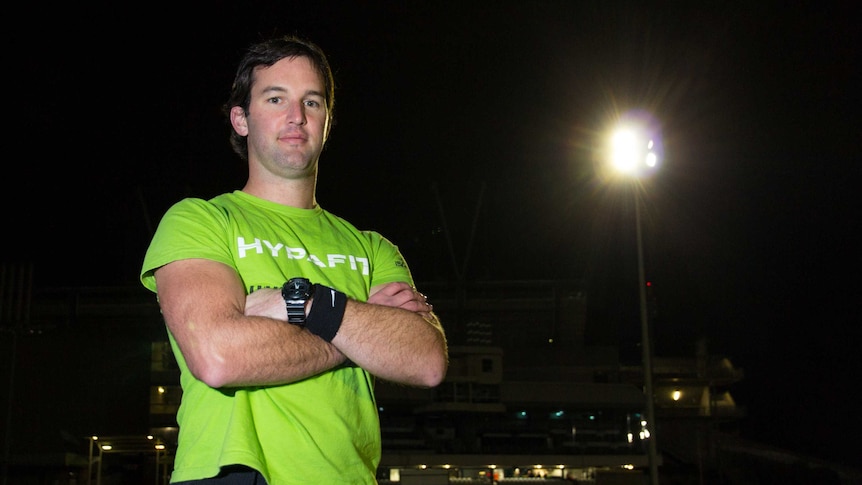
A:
{"x": 231, "y": 475}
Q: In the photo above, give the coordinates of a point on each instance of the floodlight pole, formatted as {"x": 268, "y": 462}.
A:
{"x": 90, "y": 462}
{"x": 646, "y": 348}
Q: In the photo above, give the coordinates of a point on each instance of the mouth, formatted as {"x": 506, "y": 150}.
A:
{"x": 293, "y": 138}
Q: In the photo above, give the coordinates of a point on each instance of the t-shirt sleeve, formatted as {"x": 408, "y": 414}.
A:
{"x": 191, "y": 228}
{"x": 390, "y": 265}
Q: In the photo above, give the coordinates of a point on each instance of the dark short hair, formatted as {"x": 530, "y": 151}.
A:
{"x": 267, "y": 53}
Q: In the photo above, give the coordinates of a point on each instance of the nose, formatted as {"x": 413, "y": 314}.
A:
{"x": 296, "y": 112}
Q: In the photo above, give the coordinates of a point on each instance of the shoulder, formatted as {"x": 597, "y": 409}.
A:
{"x": 190, "y": 228}
{"x": 218, "y": 207}
{"x": 369, "y": 236}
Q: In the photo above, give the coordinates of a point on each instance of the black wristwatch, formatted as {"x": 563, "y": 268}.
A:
{"x": 296, "y": 292}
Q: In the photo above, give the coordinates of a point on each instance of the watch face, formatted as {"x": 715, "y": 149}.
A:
{"x": 297, "y": 288}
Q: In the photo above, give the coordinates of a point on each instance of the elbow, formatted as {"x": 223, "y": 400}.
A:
{"x": 211, "y": 370}
{"x": 435, "y": 362}
{"x": 435, "y": 375}
{"x": 213, "y": 379}
{"x": 433, "y": 372}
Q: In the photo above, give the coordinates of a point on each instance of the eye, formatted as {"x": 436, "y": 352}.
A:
{"x": 312, "y": 103}
{"x": 274, "y": 100}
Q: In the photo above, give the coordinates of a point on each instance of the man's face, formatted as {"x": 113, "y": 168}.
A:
{"x": 287, "y": 119}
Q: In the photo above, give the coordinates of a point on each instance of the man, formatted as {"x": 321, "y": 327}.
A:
{"x": 281, "y": 314}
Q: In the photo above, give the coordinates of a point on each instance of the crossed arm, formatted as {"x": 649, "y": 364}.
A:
{"x": 229, "y": 339}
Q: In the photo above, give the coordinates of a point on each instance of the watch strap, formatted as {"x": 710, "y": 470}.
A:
{"x": 296, "y": 293}
{"x": 296, "y": 313}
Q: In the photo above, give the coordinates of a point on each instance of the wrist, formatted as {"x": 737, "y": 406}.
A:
{"x": 326, "y": 311}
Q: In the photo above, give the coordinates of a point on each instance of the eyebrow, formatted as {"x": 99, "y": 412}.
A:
{"x": 279, "y": 89}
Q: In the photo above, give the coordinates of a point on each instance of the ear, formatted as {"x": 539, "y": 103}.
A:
{"x": 239, "y": 121}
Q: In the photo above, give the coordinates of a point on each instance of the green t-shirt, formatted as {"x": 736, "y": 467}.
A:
{"x": 324, "y": 429}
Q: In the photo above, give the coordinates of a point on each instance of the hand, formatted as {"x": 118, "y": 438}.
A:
{"x": 266, "y": 302}
{"x": 401, "y": 295}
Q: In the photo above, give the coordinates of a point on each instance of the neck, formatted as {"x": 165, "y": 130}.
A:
{"x": 299, "y": 193}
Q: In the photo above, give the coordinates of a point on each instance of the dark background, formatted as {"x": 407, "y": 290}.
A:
{"x": 481, "y": 121}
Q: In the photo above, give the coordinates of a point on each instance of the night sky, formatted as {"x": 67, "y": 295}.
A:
{"x": 481, "y": 121}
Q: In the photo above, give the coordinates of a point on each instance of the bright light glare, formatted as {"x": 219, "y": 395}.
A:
{"x": 634, "y": 147}
{"x": 624, "y": 151}
{"x": 630, "y": 152}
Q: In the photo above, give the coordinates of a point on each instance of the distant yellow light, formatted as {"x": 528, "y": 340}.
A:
{"x": 675, "y": 395}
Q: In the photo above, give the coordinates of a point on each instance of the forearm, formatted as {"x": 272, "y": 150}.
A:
{"x": 256, "y": 351}
{"x": 393, "y": 343}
